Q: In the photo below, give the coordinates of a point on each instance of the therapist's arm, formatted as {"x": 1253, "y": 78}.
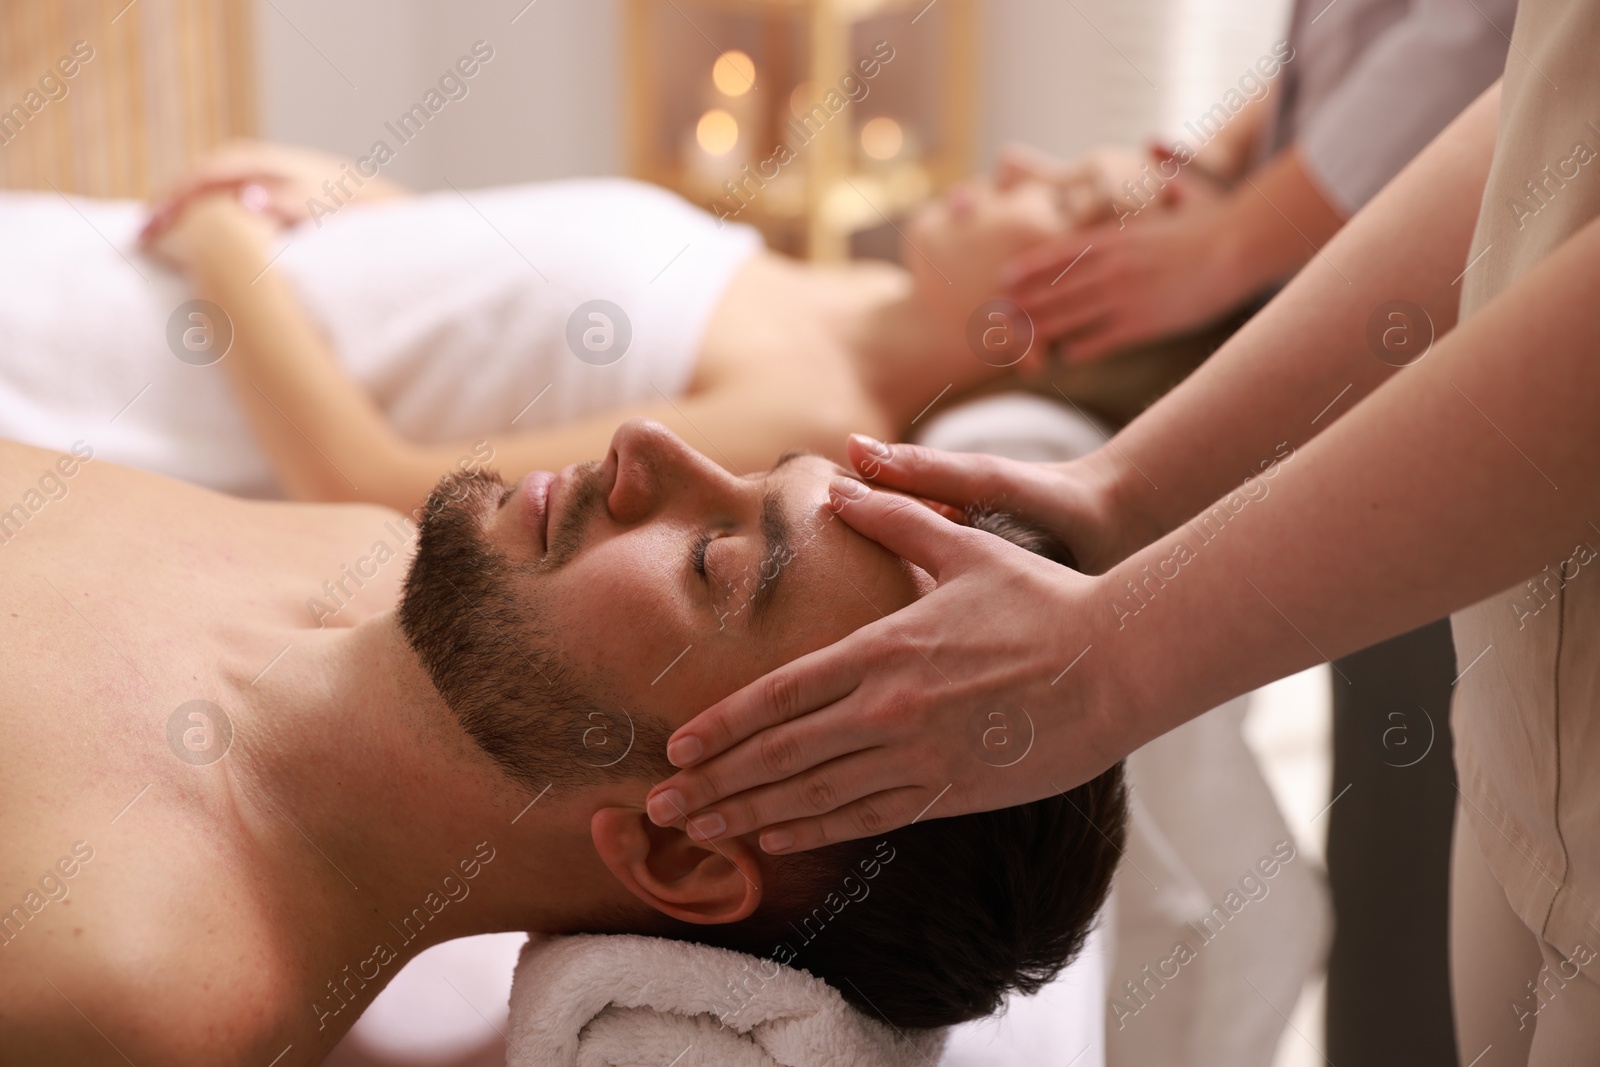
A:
{"x": 1181, "y": 269}
{"x": 1228, "y": 155}
{"x": 1286, "y": 375}
{"x": 1404, "y": 87}
{"x": 1466, "y": 473}
{"x": 1303, "y": 361}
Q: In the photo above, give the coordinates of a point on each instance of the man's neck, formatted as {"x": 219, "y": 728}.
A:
{"x": 378, "y": 823}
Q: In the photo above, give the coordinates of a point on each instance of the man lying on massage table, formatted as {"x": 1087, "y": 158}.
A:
{"x": 224, "y": 826}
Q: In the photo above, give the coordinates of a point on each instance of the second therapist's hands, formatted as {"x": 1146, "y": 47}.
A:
{"x": 1102, "y": 288}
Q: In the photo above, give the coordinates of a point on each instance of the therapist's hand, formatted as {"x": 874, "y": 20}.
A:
{"x": 982, "y": 694}
{"x": 1105, "y": 287}
{"x": 1076, "y": 500}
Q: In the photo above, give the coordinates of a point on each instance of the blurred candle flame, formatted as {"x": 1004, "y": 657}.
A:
{"x": 717, "y": 132}
{"x": 882, "y": 137}
{"x": 734, "y": 73}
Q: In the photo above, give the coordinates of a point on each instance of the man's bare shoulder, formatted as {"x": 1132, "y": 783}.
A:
{"x": 146, "y": 998}
{"x": 152, "y": 936}
{"x": 66, "y": 501}
{"x": 128, "y": 595}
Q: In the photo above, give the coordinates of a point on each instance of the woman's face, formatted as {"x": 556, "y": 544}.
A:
{"x": 956, "y": 246}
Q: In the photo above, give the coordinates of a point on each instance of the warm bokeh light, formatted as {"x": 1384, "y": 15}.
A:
{"x": 734, "y": 74}
{"x": 800, "y": 99}
{"x": 881, "y": 137}
{"x": 717, "y": 132}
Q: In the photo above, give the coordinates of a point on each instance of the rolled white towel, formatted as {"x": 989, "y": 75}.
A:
{"x": 628, "y": 1001}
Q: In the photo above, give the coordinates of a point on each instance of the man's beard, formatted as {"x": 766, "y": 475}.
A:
{"x": 480, "y": 642}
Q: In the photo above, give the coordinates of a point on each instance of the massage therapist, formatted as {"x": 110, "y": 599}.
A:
{"x": 1407, "y": 493}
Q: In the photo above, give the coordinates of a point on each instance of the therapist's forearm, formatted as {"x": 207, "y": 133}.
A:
{"x": 1273, "y": 222}
{"x": 1463, "y": 474}
{"x": 1227, "y": 155}
{"x": 1303, "y": 361}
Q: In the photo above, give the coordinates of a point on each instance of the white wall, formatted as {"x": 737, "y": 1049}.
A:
{"x": 1052, "y": 79}
{"x": 547, "y": 105}
{"x": 1062, "y": 74}
{"x": 1209, "y": 46}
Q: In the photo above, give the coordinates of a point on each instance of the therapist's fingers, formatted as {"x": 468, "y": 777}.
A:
{"x": 801, "y": 686}
{"x": 959, "y": 479}
{"x": 954, "y": 514}
{"x": 1034, "y": 492}
{"x": 900, "y": 524}
{"x": 867, "y": 817}
{"x": 904, "y": 527}
{"x": 1049, "y": 260}
{"x": 1102, "y": 339}
{"x": 817, "y": 791}
{"x": 786, "y": 750}
{"x": 1080, "y": 318}
{"x": 1066, "y": 320}
{"x": 1071, "y": 282}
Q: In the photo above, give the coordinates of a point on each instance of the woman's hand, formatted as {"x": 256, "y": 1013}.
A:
{"x": 983, "y": 694}
{"x": 191, "y": 235}
{"x": 1108, "y": 286}
{"x": 276, "y": 181}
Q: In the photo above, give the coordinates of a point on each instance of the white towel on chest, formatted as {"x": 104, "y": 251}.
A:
{"x": 629, "y": 1001}
{"x": 451, "y": 313}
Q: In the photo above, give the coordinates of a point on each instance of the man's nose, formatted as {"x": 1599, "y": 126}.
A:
{"x": 655, "y": 465}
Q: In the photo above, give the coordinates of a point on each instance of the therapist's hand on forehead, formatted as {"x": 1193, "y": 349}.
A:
{"x": 912, "y": 716}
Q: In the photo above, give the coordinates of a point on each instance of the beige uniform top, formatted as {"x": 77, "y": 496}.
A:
{"x": 1527, "y": 713}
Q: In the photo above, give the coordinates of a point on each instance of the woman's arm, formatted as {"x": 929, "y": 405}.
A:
{"x": 1304, "y": 360}
{"x": 1466, "y": 472}
{"x": 327, "y": 440}
{"x": 1437, "y": 489}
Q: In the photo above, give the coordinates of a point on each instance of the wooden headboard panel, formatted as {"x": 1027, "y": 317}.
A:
{"x": 112, "y": 97}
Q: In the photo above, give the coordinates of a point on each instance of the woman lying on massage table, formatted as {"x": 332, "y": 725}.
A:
{"x": 375, "y": 348}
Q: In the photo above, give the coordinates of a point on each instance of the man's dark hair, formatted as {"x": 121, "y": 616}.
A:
{"x": 928, "y": 925}
{"x": 959, "y": 911}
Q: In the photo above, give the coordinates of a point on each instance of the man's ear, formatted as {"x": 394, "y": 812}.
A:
{"x": 697, "y": 882}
